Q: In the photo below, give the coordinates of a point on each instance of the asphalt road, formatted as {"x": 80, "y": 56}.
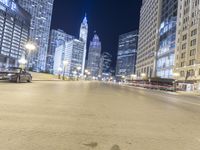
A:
{"x": 87, "y": 116}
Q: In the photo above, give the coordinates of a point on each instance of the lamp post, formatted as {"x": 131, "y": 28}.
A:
{"x": 79, "y": 69}
{"x": 64, "y": 70}
{"x": 29, "y": 46}
{"x": 22, "y": 62}
{"x": 143, "y": 75}
{"x": 176, "y": 75}
{"x": 59, "y": 72}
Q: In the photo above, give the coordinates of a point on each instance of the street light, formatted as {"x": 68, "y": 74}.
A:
{"x": 133, "y": 76}
{"x": 79, "y": 69}
{"x": 22, "y": 62}
{"x": 65, "y": 63}
{"x": 176, "y": 75}
{"x": 59, "y": 72}
{"x": 143, "y": 75}
{"x": 29, "y": 46}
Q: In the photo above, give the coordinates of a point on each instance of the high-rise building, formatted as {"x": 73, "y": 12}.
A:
{"x": 187, "y": 52}
{"x": 83, "y": 37}
{"x": 127, "y": 54}
{"x": 71, "y": 52}
{"x": 148, "y": 38}
{"x": 41, "y": 12}
{"x": 105, "y": 64}
{"x": 14, "y": 32}
{"x": 56, "y": 39}
{"x": 94, "y": 55}
{"x": 167, "y": 39}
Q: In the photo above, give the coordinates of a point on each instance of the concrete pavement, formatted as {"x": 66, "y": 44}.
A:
{"x": 91, "y": 115}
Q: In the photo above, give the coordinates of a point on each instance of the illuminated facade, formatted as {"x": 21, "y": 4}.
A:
{"x": 72, "y": 52}
{"x": 83, "y": 37}
{"x": 127, "y": 54}
{"x": 94, "y": 55}
{"x": 105, "y": 65}
{"x": 167, "y": 39}
{"x": 56, "y": 39}
{"x": 14, "y": 32}
{"x": 41, "y": 12}
{"x": 148, "y": 37}
{"x": 187, "y": 52}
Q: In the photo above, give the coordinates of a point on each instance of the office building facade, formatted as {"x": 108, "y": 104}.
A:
{"x": 41, "y": 12}
{"x": 148, "y": 38}
{"x": 105, "y": 64}
{"x": 94, "y": 56}
{"x": 71, "y": 52}
{"x": 14, "y": 32}
{"x": 187, "y": 52}
{"x": 127, "y": 54}
{"x": 167, "y": 39}
{"x": 56, "y": 39}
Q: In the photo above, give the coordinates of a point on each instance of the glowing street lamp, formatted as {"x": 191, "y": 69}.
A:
{"x": 22, "y": 62}
{"x": 133, "y": 76}
{"x": 59, "y": 72}
{"x": 79, "y": 69}
{"x": 65, "y": 63}
{"x": 176, "y": 75}
{"x": 30, "y": 46}
{"x": 143, "y": 75}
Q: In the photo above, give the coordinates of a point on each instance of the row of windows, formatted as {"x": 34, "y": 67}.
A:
{"x": 189, "y": 73}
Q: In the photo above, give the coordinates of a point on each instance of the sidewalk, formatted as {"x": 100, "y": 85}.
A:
{"x": 177, "y": 93}
{"x": 44, "y": 77}
{"x": 189, "y": 93}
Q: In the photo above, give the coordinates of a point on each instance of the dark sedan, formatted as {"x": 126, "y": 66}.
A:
{"x": 16, "y": 75}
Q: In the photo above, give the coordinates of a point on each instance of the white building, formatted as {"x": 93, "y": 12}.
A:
{"x": 187, "y": 51}
{"x": 83, "y": 37}
{"x": 56, "y": 39}
{"x": 41, "y": 12}
{"x": 148, "y": 37}
{"x": 71, "y": 52}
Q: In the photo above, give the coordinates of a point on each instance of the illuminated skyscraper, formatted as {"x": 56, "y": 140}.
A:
{"x": 167, "y": 39}
{"x": 127, "y": 54}
{"x": 72, "y": 53}
{"x": 83, "y": 37}
{"x": 14, "y": 32}
{"x": 57, "y": 38}
{"x": 93, "y": 64}
{"x": 148, "y": 37}
{"x": 41, "y": 12}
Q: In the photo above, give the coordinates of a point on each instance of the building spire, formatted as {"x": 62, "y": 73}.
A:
{"x": 85, "y": 18}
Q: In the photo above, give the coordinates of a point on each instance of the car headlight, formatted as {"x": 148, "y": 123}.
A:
{"x": 10, "y": 74}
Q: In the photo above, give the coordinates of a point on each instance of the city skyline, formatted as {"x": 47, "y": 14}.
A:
{"x": 100, "y": 17}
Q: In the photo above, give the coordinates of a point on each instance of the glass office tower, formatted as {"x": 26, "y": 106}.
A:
{"x": 127, "y": 54}
{"x": 14, "y": 32}
{"x": 41, "y": 12}
{"x": 167, "y": 39}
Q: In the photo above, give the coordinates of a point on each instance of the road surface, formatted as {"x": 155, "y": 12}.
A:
{"x": 89, "y": 115}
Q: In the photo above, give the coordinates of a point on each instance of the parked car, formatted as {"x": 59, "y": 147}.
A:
{"x": 16, "y": 75}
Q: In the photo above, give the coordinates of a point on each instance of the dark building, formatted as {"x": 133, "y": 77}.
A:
{"x": 105, "y": 64}
{"x": 167, "y": 39}
{"x": 94, "y": 56}
{"x": 127, "y": 54}
{"x": 14, "y": 32}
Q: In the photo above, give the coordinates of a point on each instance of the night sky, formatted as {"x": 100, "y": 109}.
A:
{"x": 109, "y": 18}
